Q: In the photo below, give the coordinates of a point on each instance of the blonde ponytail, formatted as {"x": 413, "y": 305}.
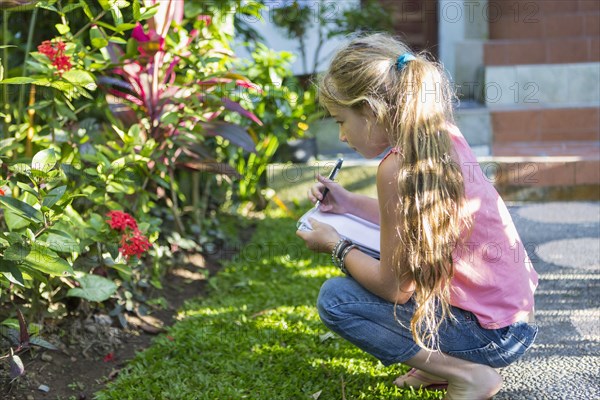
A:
{"x": 414, "y": 104}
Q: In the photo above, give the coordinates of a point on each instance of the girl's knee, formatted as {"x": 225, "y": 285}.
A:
{"x": 331, "y": 294}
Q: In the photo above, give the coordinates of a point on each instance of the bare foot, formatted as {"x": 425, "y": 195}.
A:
{"x": 481, "y": 382}
{"x": 417, "y": 378}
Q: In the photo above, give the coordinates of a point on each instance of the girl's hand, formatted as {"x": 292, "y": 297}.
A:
{"x": 322, "y": 238}
{"x": 337, "y": 200}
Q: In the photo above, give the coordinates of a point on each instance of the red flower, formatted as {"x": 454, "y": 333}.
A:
{"x": 56, "y": 53}
{"x": 47, "y": 49}
{"x": 133, "y": 242}
{"x": 109, "y": 357}
{"x": 120, "y": 220}
{"x": 134, "y": 245}
{"x": 2, "y": 193}
{"x": 62, "y": 63}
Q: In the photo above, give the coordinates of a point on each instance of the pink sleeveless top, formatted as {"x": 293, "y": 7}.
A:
{"x": 493, "y": 276}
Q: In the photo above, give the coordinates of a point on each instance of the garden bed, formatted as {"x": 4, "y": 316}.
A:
{"x": 93, "y": 350}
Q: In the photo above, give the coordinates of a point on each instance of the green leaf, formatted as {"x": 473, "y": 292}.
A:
{"x": 93, "y": 288}
{"x": 44, "y": 160}
{"x": 60, "y": 241}
{"x": 12, "y": 273}
{"x": 62, "y": 28}
{"x": 20, "y": 168}
{"x": 116, "y": 39}
{"x": 81, "y": 78}
{"x": 107, "y": 26}
{"x": 26, "y": 188}
{"x": 38, "y": 257}
{"x": 18, "y": 80}
{"x": 14, "y": 221}
{"x": 97, "y": 38}
{"x": 30, "y": 235}
{"x": 123, "y": 269}
{"x": 4, "y": 143}
{"x": 125, "y": 27}
{"x": 22, "y": 209}
{"x": 53, "y": 196}
{"x": 105, "y": 4}
{"x": 148, "y": 12}
{"x": 38, "y": 341}
{"x": 136, "y": 10}
{"x": 87, "y": 10}
{"x": 48, "y": 262}
{"x": 71, "y": 7}
{"x": 99, "y": 43}
{"x": 118, "y": 187}
{"x": 47, "y": 5}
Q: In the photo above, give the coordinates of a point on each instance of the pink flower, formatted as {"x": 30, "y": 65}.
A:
{"x": 206, "y": 18}
{"x": 150, "y": 43}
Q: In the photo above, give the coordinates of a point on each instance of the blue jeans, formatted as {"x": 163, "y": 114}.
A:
{"x": 368, "y": 322}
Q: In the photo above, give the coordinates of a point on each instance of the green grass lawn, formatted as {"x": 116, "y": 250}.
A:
{"x": 292, "y": 181}
{"x": 257, "y": 335}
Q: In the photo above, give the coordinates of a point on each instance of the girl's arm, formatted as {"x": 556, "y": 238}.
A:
{"x": 340, "y": 200}
{"x": 365, "y": 207}
{"x": 379, "y": 276}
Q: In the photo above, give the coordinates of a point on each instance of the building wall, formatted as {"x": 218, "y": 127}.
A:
{"x": 542, "y": 61}
{"x": 276, "y": 38}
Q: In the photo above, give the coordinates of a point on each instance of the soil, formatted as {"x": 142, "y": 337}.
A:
{"x": 93, "y": 349}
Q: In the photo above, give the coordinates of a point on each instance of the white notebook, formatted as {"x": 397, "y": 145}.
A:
{"x": 359, "y": 231}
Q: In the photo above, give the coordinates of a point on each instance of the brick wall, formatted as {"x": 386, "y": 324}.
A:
{"x": 543, "y": 32}
{"x": 415, "y": 21}
{"x": 554, "y": 48}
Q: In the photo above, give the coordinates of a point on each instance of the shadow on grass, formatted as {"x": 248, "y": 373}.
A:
{"x": 258, "y": 336}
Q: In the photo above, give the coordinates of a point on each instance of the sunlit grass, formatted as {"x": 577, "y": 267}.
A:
{"x": 258, "y": 336}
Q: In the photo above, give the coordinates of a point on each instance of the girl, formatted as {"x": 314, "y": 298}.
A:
{"x": 452, "y": 295}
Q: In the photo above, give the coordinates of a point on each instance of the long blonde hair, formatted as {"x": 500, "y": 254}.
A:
{"x": 414, "y": 105}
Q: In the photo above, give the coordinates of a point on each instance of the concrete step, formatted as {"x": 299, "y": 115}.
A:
{"x": 474, "y": 121}
{"x": 530, "y": 87}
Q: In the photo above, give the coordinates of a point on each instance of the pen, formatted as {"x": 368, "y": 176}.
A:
{"x": 332, "y": 175}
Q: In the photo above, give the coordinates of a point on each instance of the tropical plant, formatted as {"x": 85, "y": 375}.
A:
{"x": 46, "y": 237}
{"x": 280, "y": 104}
{"x": 69, "y": 159}
{"x": 61, "y": 170}
{"x": 73, "y": 157}
{"x": 176, "y": 86}
{"x": 19, "y": 340}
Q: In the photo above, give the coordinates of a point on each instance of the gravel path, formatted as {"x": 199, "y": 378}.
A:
{"x": 563, "y": 240}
